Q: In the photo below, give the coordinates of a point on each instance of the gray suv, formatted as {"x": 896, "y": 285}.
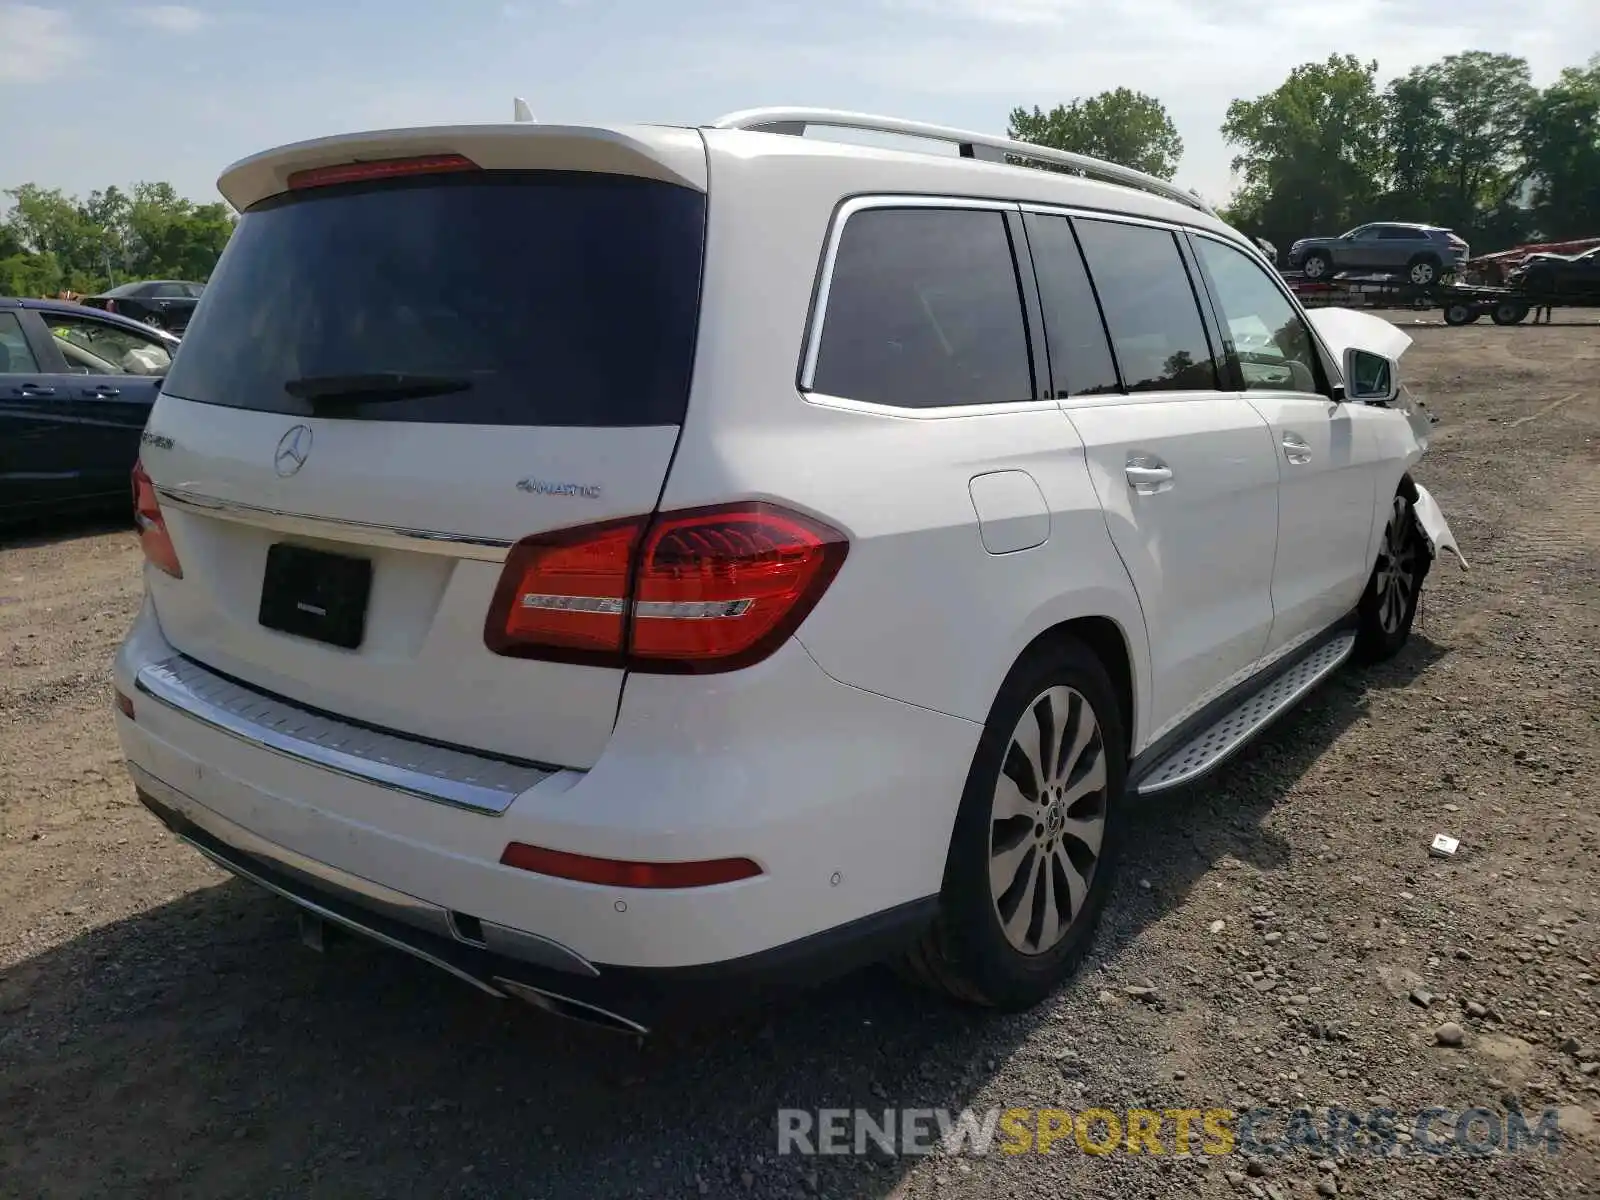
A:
{"x": 1422, "y": 253}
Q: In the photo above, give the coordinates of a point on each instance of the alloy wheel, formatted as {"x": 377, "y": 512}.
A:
{"x": 1048, "y": 820}
{"x": 1397, "y": 569}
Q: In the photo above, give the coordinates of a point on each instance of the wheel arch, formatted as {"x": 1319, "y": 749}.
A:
{"x": 1107, "y": 640}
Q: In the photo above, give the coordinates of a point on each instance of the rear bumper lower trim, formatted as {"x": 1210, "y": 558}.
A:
{"x": 338, "y": 895}
{"x": 626, "y": 999}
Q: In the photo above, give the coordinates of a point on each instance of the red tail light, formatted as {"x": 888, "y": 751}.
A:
{"x": 153, "y": 536}
{"x": 702, "y": 590}
{"x": 111, "y": 306}
{"x": 615, "y": 873}
{"x": 387, "y": 168}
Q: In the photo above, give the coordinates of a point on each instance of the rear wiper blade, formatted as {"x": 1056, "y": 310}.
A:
{"x": 375, "y": 388}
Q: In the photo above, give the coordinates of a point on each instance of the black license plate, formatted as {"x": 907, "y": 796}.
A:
{"x": 316, "y": 595}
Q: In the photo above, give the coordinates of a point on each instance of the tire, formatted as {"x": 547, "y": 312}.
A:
{"x": 1317, "y": 265}
{"x": 1389, "y": 605}
{"x": 971, "y": 951}
{"x": 1509, "y": 312}
{"x": 1423, "y": 271}
{"x": 1459, "y": 314}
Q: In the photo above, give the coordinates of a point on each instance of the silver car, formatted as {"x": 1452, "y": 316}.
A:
{"x": 1423, "y": 254}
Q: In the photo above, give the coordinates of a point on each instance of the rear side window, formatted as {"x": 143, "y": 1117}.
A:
{"x": 924, "y": 311}
{"x": 498, "y": 298}
{"x": 1080, "y": 358}
{"x": 1150, "y": 307}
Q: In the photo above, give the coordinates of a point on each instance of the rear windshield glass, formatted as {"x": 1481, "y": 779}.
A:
{"x": 505, "y": 298}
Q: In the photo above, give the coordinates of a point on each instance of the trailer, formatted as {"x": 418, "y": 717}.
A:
{"x": 1461, "y": 303}
{"x": 1465, "y": 303}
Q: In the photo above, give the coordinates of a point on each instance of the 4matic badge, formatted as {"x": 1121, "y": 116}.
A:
{"x": 546, "y": 487}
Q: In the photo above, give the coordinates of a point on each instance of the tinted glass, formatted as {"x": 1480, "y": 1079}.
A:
{"x": 99, "y": 348}
{"x": 1394, "y": 233}
{"x": 1150, "y": 307}
{"x": 1080, "y": 357}
{"x": 923, "y": 311}
{"x": 126, "y": 289}
{"x": 541, "y": 298}
{"x": 1271, "y": 339}
{"x": 15, "y": 357}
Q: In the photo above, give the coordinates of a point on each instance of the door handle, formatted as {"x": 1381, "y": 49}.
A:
{"x": 102, "y": 393}
{"x": 33, "y": 389}
{"x": 1148, "y": 475}
{"x": 1296, "y": 449}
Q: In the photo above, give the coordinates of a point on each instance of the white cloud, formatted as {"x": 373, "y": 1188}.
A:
{"x": 36, "y": 44}
{"x": 170, "y": 18}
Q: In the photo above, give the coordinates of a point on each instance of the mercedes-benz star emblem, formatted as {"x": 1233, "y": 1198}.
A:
{"x": 294, "y": 448}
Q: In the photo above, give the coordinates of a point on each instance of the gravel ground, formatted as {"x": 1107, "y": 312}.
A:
{"x": 162, "y": 1033}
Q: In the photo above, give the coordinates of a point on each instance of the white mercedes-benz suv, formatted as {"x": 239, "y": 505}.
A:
{"x": 626, "y": 565}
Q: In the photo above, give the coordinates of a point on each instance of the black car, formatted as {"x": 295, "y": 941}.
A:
{"x": 1563, "y": 275}
{"x": 164, "y": 303}
{"x": 76, "y": 387}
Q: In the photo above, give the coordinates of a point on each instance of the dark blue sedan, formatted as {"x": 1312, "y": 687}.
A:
{"x": 76, "y": 387}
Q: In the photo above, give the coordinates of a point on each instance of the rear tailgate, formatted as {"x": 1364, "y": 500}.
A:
{"x": 413, "y": 370}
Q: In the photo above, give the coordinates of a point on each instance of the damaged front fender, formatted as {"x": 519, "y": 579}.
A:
{"x": 1430, "y": 519}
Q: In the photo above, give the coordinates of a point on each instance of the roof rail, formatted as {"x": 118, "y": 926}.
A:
{"x": 985, "y": 146}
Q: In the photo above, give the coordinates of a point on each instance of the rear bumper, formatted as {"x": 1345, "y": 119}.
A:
{"x": 844, "y": 798}
{"x": 509, "y": 963}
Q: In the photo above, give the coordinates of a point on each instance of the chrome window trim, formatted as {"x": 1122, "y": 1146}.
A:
{"x": 941, "y": 413}
{"x": 1100, "y": 214}
{"x": 830, "y": 257}
{"x": 1122, "y": 399}
{"x": 179, "y": 683}
{"x": 365, "y": 533}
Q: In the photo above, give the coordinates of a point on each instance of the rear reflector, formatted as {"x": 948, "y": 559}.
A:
{"x": 124, "y": 704}
{"x": 701, "y": 590}
{"x": 387, "y": 168}
{"x": 153, "y": 536}
{"x": 583, "y": 869}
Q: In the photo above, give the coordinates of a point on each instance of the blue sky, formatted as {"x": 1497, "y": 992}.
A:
{"x": 112, "y": 91}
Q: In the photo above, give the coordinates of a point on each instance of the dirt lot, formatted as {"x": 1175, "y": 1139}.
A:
{"x": 162, "y": 1033}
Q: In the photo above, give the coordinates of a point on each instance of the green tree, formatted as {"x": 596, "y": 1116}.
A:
{"x": 1312, "y": 152}
{"x": 50, "y": 241}
{"x": 46, "y": 221}
{"x": 1454, "y": 130}
{"x": 1561, "y": 151}
{"x": 1121, "y": 126}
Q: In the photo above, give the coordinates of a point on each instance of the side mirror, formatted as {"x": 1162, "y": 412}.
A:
{"x": 1370, "y": 378}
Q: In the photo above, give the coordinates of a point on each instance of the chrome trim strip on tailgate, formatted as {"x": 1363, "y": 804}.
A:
{"x": 443, "y": 774}
{"x": 363, "y": 532}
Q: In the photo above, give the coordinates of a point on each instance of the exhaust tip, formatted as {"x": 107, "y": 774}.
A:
{"x": 572, "y": 1010}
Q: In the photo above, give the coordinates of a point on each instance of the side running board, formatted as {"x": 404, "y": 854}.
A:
{"x": 1213, "y": 745}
